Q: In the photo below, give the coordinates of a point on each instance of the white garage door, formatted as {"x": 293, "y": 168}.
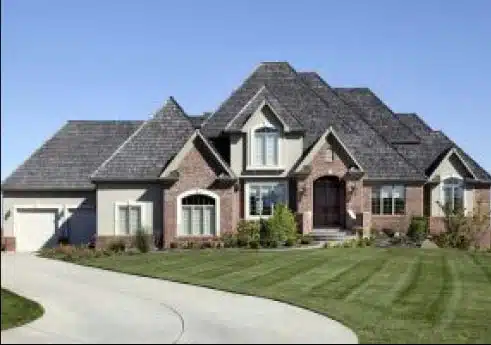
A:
{"x": 35, "y": 229}
{"x": 81, "y": 225}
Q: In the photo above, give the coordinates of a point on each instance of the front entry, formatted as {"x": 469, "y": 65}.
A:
{"x": 328, "y": 195}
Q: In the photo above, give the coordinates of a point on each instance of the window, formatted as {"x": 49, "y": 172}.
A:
{"x": 198, "y": 216}
{"x": 129, "y": 218}
{"x": 263, "y": 197}
{"x": 453, "y": 193}
{"x": 265, "y": 147}
{"x": 388, "y": 200}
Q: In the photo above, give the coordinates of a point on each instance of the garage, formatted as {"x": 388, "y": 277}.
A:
{"x": 35, "y": 228}
{"x": 81, "y": 225}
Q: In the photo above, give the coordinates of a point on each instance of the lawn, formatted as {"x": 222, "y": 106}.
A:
{"x": 17, "y": 310}
{"x": 384, "y": 295}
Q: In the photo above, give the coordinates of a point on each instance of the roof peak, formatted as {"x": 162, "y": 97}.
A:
{"x": 171, "y": 106}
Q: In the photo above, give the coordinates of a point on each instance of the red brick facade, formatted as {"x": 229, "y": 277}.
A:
{"x": 8, "y": 244}
{"x": 198, "y": 170}
{"x": 351, "y": 199}
{"x": 414, "y": 207}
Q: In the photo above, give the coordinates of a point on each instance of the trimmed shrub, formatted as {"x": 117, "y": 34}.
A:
{"x": 247, "y": 232}
{"x": 418, "y": 229}
{"x": 281, "y": 226}
{"x": 141, "y": 241}
{"x": 306, "y": 239}
{"x": 117, "y": 246}
{"x": 254, "y": 244}
{"x": 229, "y": 240}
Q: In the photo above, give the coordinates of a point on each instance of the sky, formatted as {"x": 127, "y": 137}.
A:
{"x": 121, "y": 59}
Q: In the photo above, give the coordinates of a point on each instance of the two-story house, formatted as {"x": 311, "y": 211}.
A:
{"x": 338, "y": 157}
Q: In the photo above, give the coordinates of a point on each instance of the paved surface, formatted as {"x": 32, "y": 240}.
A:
{"x": 87, "y": 305}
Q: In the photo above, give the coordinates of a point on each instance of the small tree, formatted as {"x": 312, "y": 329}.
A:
{"x": 142, "y": 240}
{"x": 281, "y": 225}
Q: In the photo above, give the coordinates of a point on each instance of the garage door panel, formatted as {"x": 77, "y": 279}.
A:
{"x": 81, "y": 225}
{"x": 35, "y": 229}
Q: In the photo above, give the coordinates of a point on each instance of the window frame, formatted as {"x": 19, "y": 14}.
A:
{"x": 118, "y": 205}
{"x": 252, "y": 161}
{"x": 193, "y": 207}
{"x": 180, "y": 218}
{"x": 378, "y": 193}
{"x": 457, "y": 182}
{"x": 274, "y": 184}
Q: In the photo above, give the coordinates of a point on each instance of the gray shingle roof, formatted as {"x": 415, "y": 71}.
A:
{"x": 66, "y": 160}
{"x": 433, "y": 147}
{"x": 146, "y": 153}
{"x": 198, "y": 120}
{"x": 377, "y": 114}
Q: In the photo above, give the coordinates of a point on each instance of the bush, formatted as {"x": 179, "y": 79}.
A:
{"x": 247, "y": 231}
{"x": 229, "y": 240}
{"x": 254, "y": 244}
{"x": 206, "y": 245}
{"x": 290, "y": 242}
{"x": 418, "y": 229}
{"x": 142, "y": 241}
{"x": 174, "y": 245}
{"x": 280, "y": 227}
{"x": 306, "y": 239}
{"x": 117, "y": 246}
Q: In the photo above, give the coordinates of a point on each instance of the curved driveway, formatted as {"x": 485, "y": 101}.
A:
{"x": 87, "y": 305}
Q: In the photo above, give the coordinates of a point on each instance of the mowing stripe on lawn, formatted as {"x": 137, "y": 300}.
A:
{"x": 409, "y": 283}
{"x": 486, "y": 269}
{"x": 452, "y": 298}
{"x": 266, "y": 267}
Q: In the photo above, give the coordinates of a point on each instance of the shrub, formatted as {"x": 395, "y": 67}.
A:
{"x": 254, "y": 244}
{"x": 117, "y": 246}
{"x": 306, "y": 239}
{"x": 418, "y": 229}
{"x": 290, "y": 242}
{"x": 229, "y": 240}
{"x": 174, "y": 245}
{"x": 247, "y": 231}
{"x": 281, "y": 226}
{"x": 206, "y": 244}
{"x": 141, "y": 241}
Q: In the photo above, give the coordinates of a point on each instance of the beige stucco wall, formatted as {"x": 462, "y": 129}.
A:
{"x": 60, "y": 199}
{"x": 150, "y": 195}
{"x": 450, "y": 167}
{"x": 290, "y": 145}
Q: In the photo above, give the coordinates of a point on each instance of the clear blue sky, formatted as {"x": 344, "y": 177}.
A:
{"x": 121, "y": 59}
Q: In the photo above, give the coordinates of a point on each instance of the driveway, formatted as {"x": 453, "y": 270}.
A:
{"x": 87, "y": 305}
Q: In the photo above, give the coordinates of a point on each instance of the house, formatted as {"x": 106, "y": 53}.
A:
{"x": 339, "y": 157}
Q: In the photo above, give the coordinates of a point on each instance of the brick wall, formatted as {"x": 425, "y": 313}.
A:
{"x": 321, "y": 167}
{"x": 8, "y": 243}
{"x": 414, "y": 207}
{"x": 199, "y": 170}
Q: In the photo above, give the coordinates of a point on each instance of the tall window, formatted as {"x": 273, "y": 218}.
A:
{"x": 130, "y": 219}
{"x": 266, "y": 146}
{"x": 388, "y": 200}
{"x": 263, "y": 197}
{"x": 198, "y": 216}
{"x": 453, "y": 193}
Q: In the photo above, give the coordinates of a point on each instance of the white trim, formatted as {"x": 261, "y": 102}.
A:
{"x": 245, "y": 106}
{"x": 247, "y": 185}
{"x": 189, "y": 192}
{"x": 128, "y": 203}
{"x": 446, "y": 158}
{"x": 318, "y": 146}
{"x": 16, "y": 208}
{"x": 251, "y": 145}
{"x": 187, "y": 147}
{"x": 442, "y": 194}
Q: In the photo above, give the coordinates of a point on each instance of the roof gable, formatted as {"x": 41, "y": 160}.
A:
{"x": 147, "y": 152}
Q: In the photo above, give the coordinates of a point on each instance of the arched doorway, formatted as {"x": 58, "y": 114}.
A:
{"x": 328, "y": 198}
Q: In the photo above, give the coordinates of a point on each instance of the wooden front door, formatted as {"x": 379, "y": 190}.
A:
{"x": 327, "y": 202}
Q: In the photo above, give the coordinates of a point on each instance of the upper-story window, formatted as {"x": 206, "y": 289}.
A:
{"x": 266, "y": 140}
{"x": 453, "y": 193}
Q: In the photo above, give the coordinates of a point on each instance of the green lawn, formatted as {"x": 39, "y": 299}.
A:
{"x": 17, "y": 310}
{"x": 384, "y": 295}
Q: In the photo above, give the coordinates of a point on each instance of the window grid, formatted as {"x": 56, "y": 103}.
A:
{"x": 264, "y": 196}
{"x": 266, "y": 146}
{"x": 388, "y": 200}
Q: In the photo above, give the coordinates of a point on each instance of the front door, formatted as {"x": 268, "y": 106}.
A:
{"x": 327, "y": 202}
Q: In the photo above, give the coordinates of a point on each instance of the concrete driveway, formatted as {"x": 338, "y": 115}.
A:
{"x": 87, "y": 305}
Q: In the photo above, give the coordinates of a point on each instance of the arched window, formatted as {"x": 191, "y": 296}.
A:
{"x": 453, "y": 193}
{"x": 266, "y": 146}
{"x": 198, "y": 215}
